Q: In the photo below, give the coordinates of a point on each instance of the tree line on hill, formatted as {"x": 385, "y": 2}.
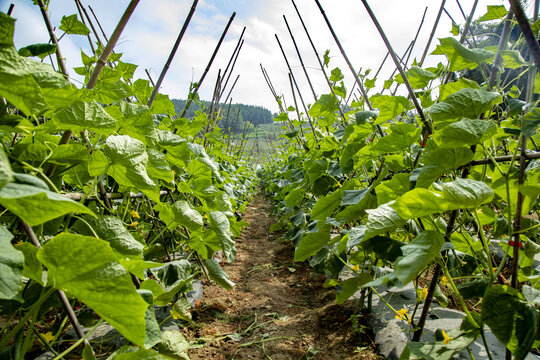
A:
{"x": 238, "y": 114}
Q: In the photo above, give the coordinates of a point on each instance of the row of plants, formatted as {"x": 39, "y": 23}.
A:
{"x": 107, "y": 205}
{"x": 442, "y": 190}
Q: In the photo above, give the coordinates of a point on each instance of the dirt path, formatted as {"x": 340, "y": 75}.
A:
{"x": 277, "y": 310}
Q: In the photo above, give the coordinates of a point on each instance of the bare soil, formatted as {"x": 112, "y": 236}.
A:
{"x": 277, "y": 310}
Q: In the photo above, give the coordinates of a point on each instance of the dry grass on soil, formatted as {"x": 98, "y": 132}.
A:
{"x": 277, "y": 310}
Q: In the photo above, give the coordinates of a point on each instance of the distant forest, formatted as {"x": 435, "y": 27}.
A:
{"x": 248, "y": 113}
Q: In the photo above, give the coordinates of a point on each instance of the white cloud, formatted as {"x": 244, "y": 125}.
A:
{"x": 154, "y": 26}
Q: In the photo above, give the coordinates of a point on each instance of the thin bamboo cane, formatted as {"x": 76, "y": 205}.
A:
{"x": 54, "y": 40}
{"x": 530, "y": 37}
{"x": 203, "y": 76}
{"x": 230, "y": 73}
{"x": 99, "y": 24}
{"x": 432, "y": 34}
{"x": 173, "y": 53}
{"x": 89, "y": 36}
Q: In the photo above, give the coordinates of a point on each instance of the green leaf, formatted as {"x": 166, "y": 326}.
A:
{"x": 112, "y": 230}
{"x": 402, "y": 136}
{"x": 418, "y": 77}
{"x": 221, "y": 227}
{"x": 383, "y": 218}
{"x": 393, "y": 188}
{"x": 11, "y": 268}
{"x": 530, "y": 122}
{"x": 158, "y": 167}
{"x": 87, "y": 268}
{"x": 135, "y": 353}
{"x": 513, "y": 321}
{"x": 455, "y": 29}
{"x": 32, "y": 267}
{"x": 128, "y": 160}
{"x": 72, "y": 25}
{"x": 174, "y": 344}
{"x": 417, "y": 254}
{"x": 460, "y": 57}
{"x": 438, "y": 161}
{"x": 137, "y": 122}
{"x": 6, "y": 175}
{"x": 7, "y": 29}
{"x": 82, "y": 115}
{"x": 24, "y": 81}
{"x": 69, "y": 154}
{"x": 494, "y": 12}
{"x": 126, "y": 69}
{"x": 325, "y": 206}
{"x": 39, "y": 50}
{"x": 465, "y": 132}
{"x": 187, "y": 216}
{"x": 448, "y": 89}
{"x": 217, "y": 274}
{"x": 458, "y": 194}
{"x": 153, "y": 332}
{"x": 350, "y": 286}
{"x": 311, "y": 243}
{"x": 36, "y": 205}
{"x": 389, "y": 106}
{"x": 464, "y": 103}
{"x": 336, "y": 75}
{"x": 384, "y": 247}
{"x": 294, "y": 198}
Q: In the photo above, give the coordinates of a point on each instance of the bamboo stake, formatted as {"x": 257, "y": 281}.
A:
{"x": 150, "y": 78}
{"x": 318, "y": 59}
{"x": 198, "y": 85}
{"x": 398, "y": 65}
{"x": 230, "y": 73}
{"x": 234, "y": 56}
{"x": 173, "y": 52}
{"x": 527, "y": 31}
{"x": 54, "y": 39}
{"x": 356, "y": 77}
{"x": 496, "y": 68}
{"x": 99, "y": 24}
{"x": 300, "y": 58}
{"x": 83, "y": 13}
{"x": 10, "y": 10}
{"x": 297, "y": 113}
{"x": 432, "y": 34}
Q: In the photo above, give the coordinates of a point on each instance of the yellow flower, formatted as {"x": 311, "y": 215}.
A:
{"x": 401, "y": 314}
{"x": 135, "y": 214}
{"x": 356, "y": 268}
{"x": 444, "y": 280}
{"x": 48, "y": 337}
{"x": 447, "y": 338}
{"x": 135, "y": 223}
{"x": 423, "y": 293}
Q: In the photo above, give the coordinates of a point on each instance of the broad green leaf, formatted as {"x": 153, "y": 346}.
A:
{"x": 109, "y": 86}
{"x": 336, "y": 75}
{"x": 36, "y": 205}
{"x": 389, "y": 106}
{"x": 39, "y": 50}
{"x": 217, "y": 274}
{"x": 382, "y": 219}
{"x": 23, "y": 81}
{"x": 175, "y": 276}
{"x": 513, "y": 321}
{"x": 325, "y": 206}
{"x": 350, "y": 286}
{"x": 294, "y": 198}
{"x": 72, "y": 25}
{"x": 417, "y": 254}
{"x": 163, "y": 105}
{"x": 153, "y": 332}
{"x": 458, "y": 194}
{"x": 69, "y": 154}
{"x": 448, "y": 89}
{"x": 7, "y": 27}
{"x": 326, "y": 106}
{"x": 128, "y": 160}
{"x": 460, "y": 57}
{"x": 530, "y": 122}
{"x": 158, "y": 167}
{"x": 393, "y": 188}
{"x": 11, "y": 268}
{"x": 174, "y": 344}
{"x": 494, "y": 12}
{"x": 137, "y": 122}
{"x": 464, "y": 103}
{"x": 384, "y": 247}
{"x": 418, "y": 77}
{"x": 112, "y": 230}
{"x": 455, "y": 29}
{"x": 221, "y": 227}
{"x": 137, "y": 266}
{"x": 87, "y": 268}
{"x": 438, "y": 161}
{"x": 6, "y": 175}
{"x": 82, "y": 115}
{"x": 402, "y": 136}
{"x": 126, "y": 69}
{"x": 353, "y": 197}
{"x": 135, "y": 353}
{"x": 438, "y": 350}
{"x": 465, "y": 132}
{"x": 311, "y": 244}
{"x": 32, "y": 267}
{"x": 181, "y": 213}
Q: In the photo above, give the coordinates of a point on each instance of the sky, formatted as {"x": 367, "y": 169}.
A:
{"x": 154, "y": 26}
